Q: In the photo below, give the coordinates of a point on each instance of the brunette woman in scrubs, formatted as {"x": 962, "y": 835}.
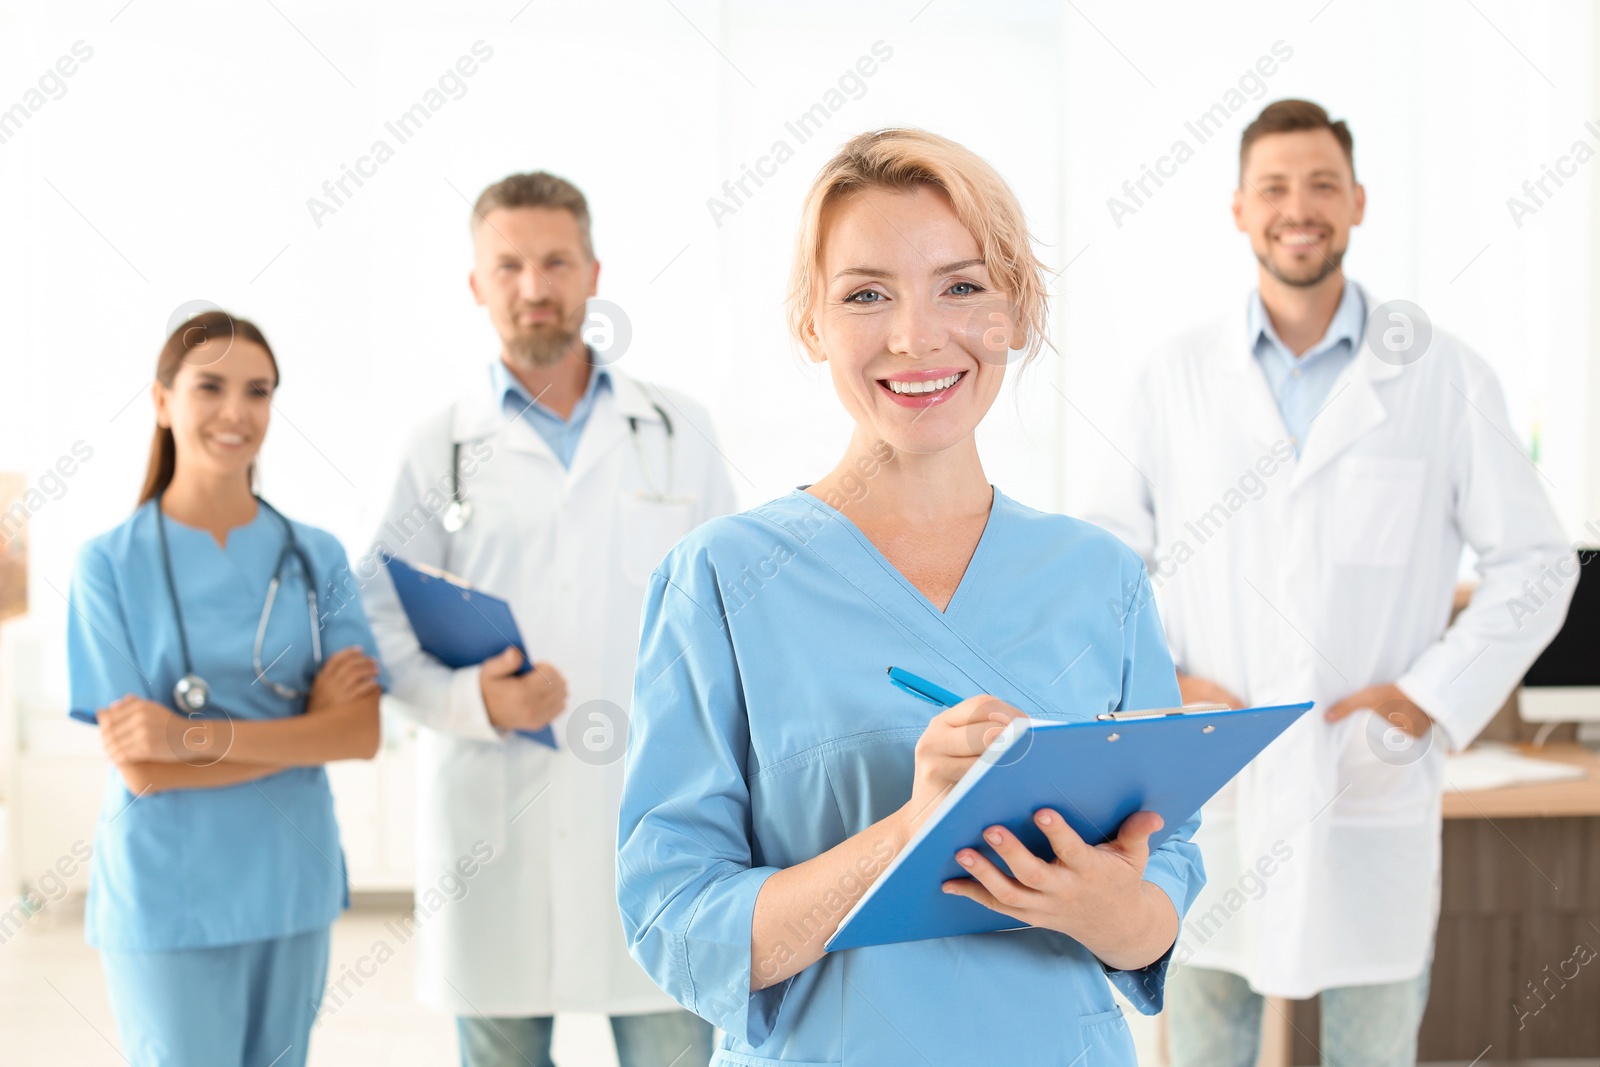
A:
{"x": 217, "y": 867}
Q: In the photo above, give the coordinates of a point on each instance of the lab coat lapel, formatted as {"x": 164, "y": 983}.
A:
{"x": 608, "y": 423}
{"x": 604, "y": 431}
{"x": 1353, "y": 410}
{"x": 474, "y": 418}
{"x": 482, "y": 418}
{"x": 1245, "y": 387}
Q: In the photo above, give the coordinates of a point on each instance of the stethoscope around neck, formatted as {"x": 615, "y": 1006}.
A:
{"x": 459, "y": 511}
{"x": 192, "y": 693}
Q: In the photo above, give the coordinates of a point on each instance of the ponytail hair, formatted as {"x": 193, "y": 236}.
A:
{"x": 204, "y": 327}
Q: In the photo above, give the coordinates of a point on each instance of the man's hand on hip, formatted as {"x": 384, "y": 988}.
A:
{"x": 1205, "y": 691}
{"x": 1388, "y": 701}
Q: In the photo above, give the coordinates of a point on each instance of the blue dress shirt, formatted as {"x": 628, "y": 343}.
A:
{"x": 1301, "y": 384}
{"x": 560, "y": 434}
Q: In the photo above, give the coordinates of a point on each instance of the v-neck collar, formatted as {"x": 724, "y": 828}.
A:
{"x": 230, "y": 540}
{"x": 979, "y": 552}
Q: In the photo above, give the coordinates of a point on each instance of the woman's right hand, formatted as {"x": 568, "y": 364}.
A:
{"x": 951, "y": 744}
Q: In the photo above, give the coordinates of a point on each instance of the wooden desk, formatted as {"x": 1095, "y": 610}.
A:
{"x": 1580, "y": 797}
{"x": 1520, "y": 889}
{"x": 1520, "y": 893}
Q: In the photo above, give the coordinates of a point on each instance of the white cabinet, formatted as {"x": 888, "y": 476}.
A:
{"x": 376, "y": 805}
{"x": 54, "y": 801}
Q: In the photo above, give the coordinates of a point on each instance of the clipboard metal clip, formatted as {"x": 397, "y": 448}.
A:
{"x": 1159, "y": 713}
{"x": 443, "y": 575}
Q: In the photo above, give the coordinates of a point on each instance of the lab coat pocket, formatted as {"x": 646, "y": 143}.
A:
{"x": 1376, "y": 509}
{"x": 649, "y": 529}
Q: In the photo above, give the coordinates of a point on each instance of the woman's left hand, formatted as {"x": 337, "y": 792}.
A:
{"x": 347, "y": 676}
{"x": 1094, "y": 894}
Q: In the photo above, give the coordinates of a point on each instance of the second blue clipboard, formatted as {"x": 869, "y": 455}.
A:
{"x": 457, "y": 625}
{"x": 1095, "y": 773}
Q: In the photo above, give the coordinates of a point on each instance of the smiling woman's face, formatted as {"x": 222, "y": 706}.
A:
{"x": 219, "y": 405}
{"x": 915, "y": 335}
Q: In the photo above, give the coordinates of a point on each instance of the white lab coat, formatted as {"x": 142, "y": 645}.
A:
{"x": 536, "y": 930}
{"x": 1286, "y": 580}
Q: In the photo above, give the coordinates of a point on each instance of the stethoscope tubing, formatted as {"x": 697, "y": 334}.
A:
{"x": 459, "y": 511}
{"x": 192, "y": 682}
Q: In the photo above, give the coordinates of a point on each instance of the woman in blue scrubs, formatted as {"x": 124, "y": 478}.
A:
{"x": 772, "y": 772}
{"x": 217, "y": 868}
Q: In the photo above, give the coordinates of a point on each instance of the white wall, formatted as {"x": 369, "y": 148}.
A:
{"x": 178, "y": 163}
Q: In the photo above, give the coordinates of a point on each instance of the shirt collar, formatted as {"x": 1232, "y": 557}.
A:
{"x": 515, "y": 399}
{"x": 1348, "y": 324}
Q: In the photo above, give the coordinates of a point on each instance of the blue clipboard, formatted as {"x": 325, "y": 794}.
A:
{"x": 458, "y": 625}
{"x": 1095, "y": 773}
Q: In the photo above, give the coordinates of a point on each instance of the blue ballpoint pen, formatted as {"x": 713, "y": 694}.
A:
{"x": 923, "y": 689}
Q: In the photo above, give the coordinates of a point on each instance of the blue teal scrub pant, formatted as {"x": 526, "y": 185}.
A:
{"x": 246, "y": 1005}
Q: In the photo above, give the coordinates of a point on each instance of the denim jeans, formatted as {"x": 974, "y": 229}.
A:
{"x": 1214, "y": 1020}
{"x": 660, "y": 1039}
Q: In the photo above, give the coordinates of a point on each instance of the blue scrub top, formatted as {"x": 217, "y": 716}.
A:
{"x": 764, "y": 732}
{"x": 202, "y": 867}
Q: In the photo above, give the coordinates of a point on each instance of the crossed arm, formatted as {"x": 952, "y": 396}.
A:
{"x": 155, "y": 749}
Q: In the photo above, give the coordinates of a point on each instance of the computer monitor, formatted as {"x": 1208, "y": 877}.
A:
{"x": 1563, "y": 685}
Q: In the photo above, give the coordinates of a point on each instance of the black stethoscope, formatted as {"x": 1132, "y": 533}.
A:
{"x": 459, "y": 511}
{"x": 192, "y": 692}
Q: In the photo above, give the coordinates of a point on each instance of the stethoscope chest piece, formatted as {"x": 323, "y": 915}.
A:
{"x": 191, "y": 692}
{"x": 456, "y": 516}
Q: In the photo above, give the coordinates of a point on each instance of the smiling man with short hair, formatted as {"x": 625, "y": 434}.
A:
{"x": 1384, "y": 448}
